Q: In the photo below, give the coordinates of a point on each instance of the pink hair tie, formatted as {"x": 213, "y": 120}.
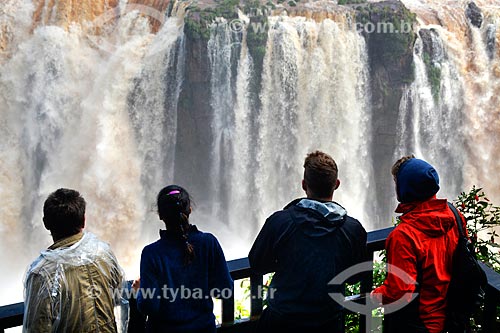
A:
{"x": 174, "y": 192}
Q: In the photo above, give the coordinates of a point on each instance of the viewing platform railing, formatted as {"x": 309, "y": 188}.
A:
{"x": 12, "y": 315}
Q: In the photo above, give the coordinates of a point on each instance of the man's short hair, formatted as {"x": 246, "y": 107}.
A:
{"x": 64, "y": 212}
{"x": 320, "y": 174}
{"x": 398, "y": 163}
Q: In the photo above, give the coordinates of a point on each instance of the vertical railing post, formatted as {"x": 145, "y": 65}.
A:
{"x": 256, "y": 290}
{"x": 228, "y": 310}
{"x": 365, "y": 321}
{"x": 489, "y": 314}
{"x": 343, "y": 315}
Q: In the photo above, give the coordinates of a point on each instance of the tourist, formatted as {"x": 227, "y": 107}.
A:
{"x": 422, "y": 246}
{"x": 306, "y": 245}
{"x": 74, "y": 285}
{"x": 183, "y": 271}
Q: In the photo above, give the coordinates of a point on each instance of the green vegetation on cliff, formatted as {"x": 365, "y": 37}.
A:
{"x": 347, "y": 2}
{"x": 432, "y": 55}
{"x": 391, "y": 36}
{"x": 256, "y": 42}
{"x": 197, "y": 21}
{"x": 387, "y": 27}
{"x": 433, "y": 75}
{"x": 398, "y": 35}
{"x": 257, "y": 38}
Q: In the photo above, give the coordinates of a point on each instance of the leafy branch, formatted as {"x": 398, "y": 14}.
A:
{"x": 482, "y": 218}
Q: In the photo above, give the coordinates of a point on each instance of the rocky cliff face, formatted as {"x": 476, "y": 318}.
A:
{"x": 65, "y": 12}
{"x": 194, "y": 113}
{"x": 391, "y": 69}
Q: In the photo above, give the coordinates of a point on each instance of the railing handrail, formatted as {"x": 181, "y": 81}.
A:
{"x": 12, "y": 315}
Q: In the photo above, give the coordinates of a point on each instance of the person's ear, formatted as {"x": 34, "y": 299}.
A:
{"x": 337, "y": 184}
{"x": 304, "y": 185}
{"x": 83, "y": 224}
{"x": 45, "y": 224}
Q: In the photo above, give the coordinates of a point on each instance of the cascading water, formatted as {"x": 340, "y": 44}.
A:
{"x": 222, "y": 47}
{"x": 232, "y": 171}
{"x": 430, "y": 117}
{"x": 242, "y": 177}
{"x": 73, "y": 117}
{"x": 152, "y": 105}
{"x": 314, "y": 96}
{"x": 457, "y": 128}
{"x": 482, "y": 99}
{"x": 257, "y": 172}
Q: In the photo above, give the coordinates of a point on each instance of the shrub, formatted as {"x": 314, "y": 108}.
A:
{"x": 482, "y": 217}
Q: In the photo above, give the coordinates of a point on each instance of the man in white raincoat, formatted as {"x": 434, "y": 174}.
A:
{"x": 74, "y": 285}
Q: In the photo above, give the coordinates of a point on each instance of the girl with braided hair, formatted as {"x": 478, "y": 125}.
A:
{"x": 182, "y": 271}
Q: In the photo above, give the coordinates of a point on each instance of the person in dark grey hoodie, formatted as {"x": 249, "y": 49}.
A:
{"x": 306, "y": 245}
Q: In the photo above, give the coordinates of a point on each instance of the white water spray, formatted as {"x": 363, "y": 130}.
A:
{"x": 67, "y": 122}
{"x": 430, "y": 118}
{"x": 315, "y": 96}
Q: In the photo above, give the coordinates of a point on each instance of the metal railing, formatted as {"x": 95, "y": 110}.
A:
{"x": 12, "y": 315}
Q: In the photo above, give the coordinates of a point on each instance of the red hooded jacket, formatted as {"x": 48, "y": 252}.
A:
{"x": 426, "y": 237}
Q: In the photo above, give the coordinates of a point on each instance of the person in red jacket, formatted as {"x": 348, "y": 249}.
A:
{"x": 422, "y": 246}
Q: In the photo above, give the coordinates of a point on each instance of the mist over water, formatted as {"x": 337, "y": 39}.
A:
{"x": 99, "y": 112}
{"x": 82, "y": 117}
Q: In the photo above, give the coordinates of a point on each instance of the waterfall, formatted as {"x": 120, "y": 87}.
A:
{"x": 152, "y": 105}
{"x": 242, "y": 184}
{"x": 458, "y": 131}
{"x": 232, "y": 169}
{"x": 314, "y": 86}
{"x": 88, "y": 112}
{"x": 222, "y": 47}
{"x": 430, "y": 117}
{"x": 315, "y": 95}
{"x": 482, "y": 99}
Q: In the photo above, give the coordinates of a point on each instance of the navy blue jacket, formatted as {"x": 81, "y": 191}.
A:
{"x": 163, "y": 273}
{"x": 307, "y": 244}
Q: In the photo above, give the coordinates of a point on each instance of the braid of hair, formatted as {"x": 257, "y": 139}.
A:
{"x": 184, "y": 225}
